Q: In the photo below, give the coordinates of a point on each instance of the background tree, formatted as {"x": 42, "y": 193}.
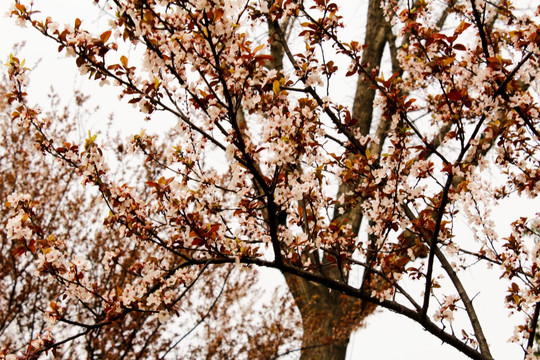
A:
{"x": 407, "y": 157}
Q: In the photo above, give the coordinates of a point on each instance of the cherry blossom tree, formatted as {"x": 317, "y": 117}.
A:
{"x": 304, "y": 183}
{"x": 67, "y": 209}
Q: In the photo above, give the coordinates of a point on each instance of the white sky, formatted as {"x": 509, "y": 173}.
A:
{"x": 387, "y": 335}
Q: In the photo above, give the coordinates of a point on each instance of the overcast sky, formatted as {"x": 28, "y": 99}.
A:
{"x": 387, "y": 335}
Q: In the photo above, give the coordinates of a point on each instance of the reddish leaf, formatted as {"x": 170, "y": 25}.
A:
{"x": 454, "y": 95}
{"x": 105, "y": 36}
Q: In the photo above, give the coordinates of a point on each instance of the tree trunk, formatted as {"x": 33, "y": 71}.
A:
{"x": 329, "y": 317}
